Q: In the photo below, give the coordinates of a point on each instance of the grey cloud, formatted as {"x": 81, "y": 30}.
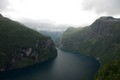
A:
{"x": 43, "y": 26}
{"x": 3, "y": 4}
{"x": 111, "y": 7}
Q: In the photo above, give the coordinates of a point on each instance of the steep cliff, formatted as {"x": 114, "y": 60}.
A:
{"x": 21, "y": 46}
{"x": 100, "y": 40}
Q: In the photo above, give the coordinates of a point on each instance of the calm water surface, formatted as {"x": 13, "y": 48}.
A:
{"x": 66, "y": 66}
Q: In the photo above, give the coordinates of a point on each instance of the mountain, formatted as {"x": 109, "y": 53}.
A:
{"x": 21, "y": 46}
{"x": 100, "y": 40}
{"x": 55, "y": 35}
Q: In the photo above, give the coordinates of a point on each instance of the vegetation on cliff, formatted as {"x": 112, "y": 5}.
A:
{"x": 21, "y": 46}
{"x": 100, "y": 40}
{"x": 109, "y": 71}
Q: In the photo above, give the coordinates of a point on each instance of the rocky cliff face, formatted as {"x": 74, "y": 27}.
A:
{"x": 104, "y": 25}
{"x": 21, "y": 46}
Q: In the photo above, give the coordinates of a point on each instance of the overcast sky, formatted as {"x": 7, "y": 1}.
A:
{"x": 68, "y": 12}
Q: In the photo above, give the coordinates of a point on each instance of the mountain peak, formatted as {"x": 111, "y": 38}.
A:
{"x": 106, "y": 17}
{"x": 104, "y": 24}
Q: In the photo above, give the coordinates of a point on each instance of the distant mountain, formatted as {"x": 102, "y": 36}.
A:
{"x": 55, "y": 35}
{"x": 100, "y": 40}
{"x": 21, "y": 46}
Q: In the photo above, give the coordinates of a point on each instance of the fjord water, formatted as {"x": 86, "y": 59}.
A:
{"x": 67, "y": 66}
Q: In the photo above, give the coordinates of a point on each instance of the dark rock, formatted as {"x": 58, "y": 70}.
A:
{"x": 1, "y": 15}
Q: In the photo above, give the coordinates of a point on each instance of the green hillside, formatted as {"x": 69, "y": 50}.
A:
{"x": 100, "y": 40}
{"x": 110, "y": 71}
{"x": 21, "y": 46}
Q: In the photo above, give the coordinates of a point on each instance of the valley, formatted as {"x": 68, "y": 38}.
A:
{"x": 84, "y": 53}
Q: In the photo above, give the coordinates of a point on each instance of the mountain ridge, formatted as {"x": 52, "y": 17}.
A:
{"x": 100, "y": 40}
{"x": 21, "y": 46}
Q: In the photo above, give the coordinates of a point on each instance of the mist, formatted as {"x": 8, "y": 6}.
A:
{"x": 58, "y": 14}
